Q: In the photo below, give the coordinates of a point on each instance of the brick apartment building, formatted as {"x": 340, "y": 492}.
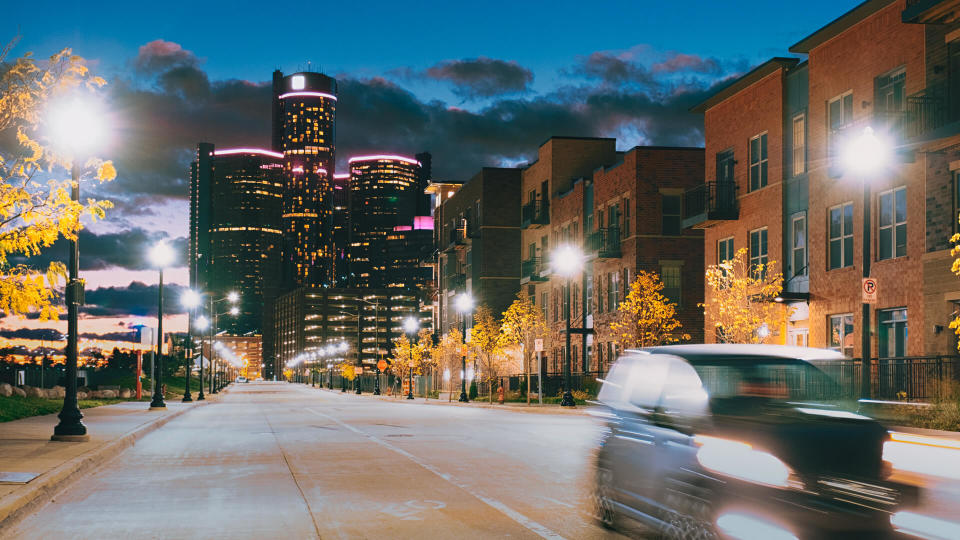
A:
{"x": 624, "y": 210}
{"x": 776, "y": 142}
{"x": 478, "y": 238}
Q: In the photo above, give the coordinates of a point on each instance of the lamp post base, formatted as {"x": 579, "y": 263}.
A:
{"x": 187, "y": 399}
{"x": 200, "y": 397}
{"x": 568, "y": 400}
{"x": 70, "y": 438}
{"x": 158, "y": 408}
{"x": 410, "y": 395}
{"x": 463, "y": 398}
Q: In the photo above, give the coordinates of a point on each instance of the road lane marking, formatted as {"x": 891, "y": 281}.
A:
{"x": 523, "y": 520}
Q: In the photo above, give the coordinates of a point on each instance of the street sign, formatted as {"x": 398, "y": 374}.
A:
{"x": 538, "y": 345}
{"x": 382, "y": 364}
{"x": 869, "y": 290}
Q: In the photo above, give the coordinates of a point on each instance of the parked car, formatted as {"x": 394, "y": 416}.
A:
{"x": 725, "y": 441}
{"x": 242, "y": 379}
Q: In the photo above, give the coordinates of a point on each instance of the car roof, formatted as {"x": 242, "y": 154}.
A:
{"x": 702, "y": 351}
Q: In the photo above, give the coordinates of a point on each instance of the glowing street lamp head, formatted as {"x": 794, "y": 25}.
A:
{"x": 410, "y": 325}
{"x": 161, "y": 255}
{"x": 234, "y": 311}
{"x": 866, "y": 153}
{"x": 201, "y": 323}
{"x": 233, "y": 297}
{"x": 190, "y": 299}
{"x": 75, "y": 125}
{"x": 567, "y": 261}
{"x": 464, "y": 303}
{"x": 343, "y": 346}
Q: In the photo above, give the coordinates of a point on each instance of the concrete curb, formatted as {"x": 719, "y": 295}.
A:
{"x": 18, "y": 505}
{"x": 536, "y": 409}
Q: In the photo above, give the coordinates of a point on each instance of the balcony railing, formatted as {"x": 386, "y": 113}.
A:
{"x": 605, "y": 243}
{"x": 535, "y": 213}
{"x": 531, "y": 269}
{"x": 456, "y": 281}
{"x": 709, "y": 203}
{"x": 933, "y": 112}
{"x": 457, "y": 238}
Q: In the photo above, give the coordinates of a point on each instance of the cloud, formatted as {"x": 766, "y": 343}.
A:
{"x": 124, "y": 249}
{"x": 159, "y": 55}
{"x": 481, "y": 77}
{"x": 137, "y": 299}
{"x": 690, "y": 63}
{"x": 611, "y": 69}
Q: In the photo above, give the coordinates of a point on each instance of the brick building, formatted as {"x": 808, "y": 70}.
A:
{"x": 776, "y": 145}
{"x": 478, "y": 238}
{"x": 623, "y": 209}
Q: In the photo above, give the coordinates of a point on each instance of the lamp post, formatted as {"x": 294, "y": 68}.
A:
{"x": 233, "y": 297}
{"x": 567, "y": 261}
{"x": 190, "y": 300}
{"x": 201, "y": 324}
{"x": 464, "y": 305}
{"x": 161, "y": 255}
{"x": 410, "y": 325}
{"x": 74, "y": 127}
{"x": 376, "y": 342}
{"x": 866, "y": 154}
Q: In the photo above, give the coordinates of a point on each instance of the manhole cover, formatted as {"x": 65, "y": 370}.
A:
{"x": 17, "y": 477}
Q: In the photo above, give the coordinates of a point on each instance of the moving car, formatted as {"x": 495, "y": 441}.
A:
{"x": 242, "y": 379}
{"x": 740, "y": 441}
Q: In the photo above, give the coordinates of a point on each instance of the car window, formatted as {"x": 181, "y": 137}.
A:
{"x": 683, "y": 392}
{"x": 646, "y": 380}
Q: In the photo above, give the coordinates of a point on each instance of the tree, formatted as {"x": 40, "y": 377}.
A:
{"x": 647, "y": 318}
{"x": 523, "y": 324}
{"x": 35, "y": 206}
{"x": 487, "y": 340}
{"x": 447, "y": 357}
{"x": 955, "y": 268}
{"x": 402, "y": 361}
{"x": 741, "y": 302}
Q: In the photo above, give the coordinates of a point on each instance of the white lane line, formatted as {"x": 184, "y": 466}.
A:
{"x": 523, "y": 520}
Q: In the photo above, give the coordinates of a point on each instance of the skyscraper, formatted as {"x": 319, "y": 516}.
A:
{"x": 383, "y": 196}
{"x": 236, "y": 236}
{"x": 304, "y": 130}
{"x": 341, "y": 229}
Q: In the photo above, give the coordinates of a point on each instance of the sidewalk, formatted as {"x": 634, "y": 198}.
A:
{"x": 580, "y": 410}
{"x": 25, "y": 447}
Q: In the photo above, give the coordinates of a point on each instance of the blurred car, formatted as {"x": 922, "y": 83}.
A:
{"x": 739, "y": 441}
{"x": 242, "y": 379}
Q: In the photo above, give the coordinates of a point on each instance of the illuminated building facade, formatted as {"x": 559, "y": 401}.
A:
{"x": 384, "y": 194}
{"x": 236, "y": 242}
{"x": 341, "y": 229}
{"x": 304, "y": 131}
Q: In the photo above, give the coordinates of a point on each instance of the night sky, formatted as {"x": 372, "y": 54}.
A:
{"x": 475, "y": 84}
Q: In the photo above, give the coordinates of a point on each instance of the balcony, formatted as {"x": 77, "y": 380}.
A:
{"x": 707, "y": 204}
{"x": 604, "y": 243}
{"x": 458, "y": 239}
{"x": 933, "y": 113}
{"x": 456, "y": 282}
{"x": 531, "y": 270}
{"x": 534, "y": 214}
{"x": 930, "y": 12}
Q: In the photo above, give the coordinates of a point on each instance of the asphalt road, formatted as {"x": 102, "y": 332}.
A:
{"x": 272, "y": 459}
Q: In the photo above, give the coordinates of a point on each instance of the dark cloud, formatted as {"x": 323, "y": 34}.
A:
{"x": 688, "y": 63}
{"x": 127, "y": 249}
{"x": 481, "y": 77}
{"x": 160, "y": 55}
{"x": 611, "y": 69}
{"x": 136, "y": 299}
{"x": 46, "y": 334}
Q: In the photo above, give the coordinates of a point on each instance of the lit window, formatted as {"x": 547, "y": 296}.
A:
{"x": 297, "y": 83}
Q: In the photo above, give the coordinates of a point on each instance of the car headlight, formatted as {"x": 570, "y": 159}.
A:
{"x": 740, "y": 460}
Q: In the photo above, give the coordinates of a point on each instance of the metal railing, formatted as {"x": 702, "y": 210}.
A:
{"x": 535, "y": 212}
{"x": 604, "y": 242}
{"x": 714, "y": 200}
{"x": 931, "y": 109}
{"x": 531, "y": 268}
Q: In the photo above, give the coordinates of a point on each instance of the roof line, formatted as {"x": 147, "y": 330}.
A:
{"x": 839, "y": 25}
{"x": 754, "y": 75}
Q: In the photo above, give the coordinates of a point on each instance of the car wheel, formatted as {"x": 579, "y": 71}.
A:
{"x": 602, "y": 501}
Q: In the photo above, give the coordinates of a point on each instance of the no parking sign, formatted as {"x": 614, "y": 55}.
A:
{"x": 869, "y": 290}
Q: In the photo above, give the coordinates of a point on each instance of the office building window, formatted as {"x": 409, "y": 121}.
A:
{"x": 798, "y": 255}
{"x": 841, "y": 333}
{"x": 799, "y": 154}
{"x": 841, "y": 236}
{"x": 672, "y": 215}
{"x": 892, "y": 333}
{"x": 724, "y": 250}
{"x": 758, "y": 251}
{"x": 671, "y": 277}
{"x": 892, "y": 223}
{"x": 758, "y": 162}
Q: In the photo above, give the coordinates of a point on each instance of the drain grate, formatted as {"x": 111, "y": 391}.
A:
{"x": 17, "y": 477}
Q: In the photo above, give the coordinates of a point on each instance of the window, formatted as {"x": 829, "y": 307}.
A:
{"x": 892, "y": 333}
{"x": 890, "y": 91}
{"x": 758, "y": 162}
{"x": 799, "y": 154}
{"x": 839, "y": 116}
{"x": 841, "y": 236}
{"x": 892, "y": 240}
{"x": 613, "y": 290}
{"x": 724, "y": 250}
{"x": 671, "y": 276}
{"x": 841, "y": 334}
{"x": 955, "y": 218}
{"x": 626, "y": 219}
{"x": 725, "y": 164}
{"x": 798, "y": 243}
{"x": 671, "y": 216}
{"x": 589, "y": 292}
{"x": 544, "y": 303}
{"x": 758, "y": 251}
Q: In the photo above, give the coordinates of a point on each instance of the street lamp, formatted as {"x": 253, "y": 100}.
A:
{"x": 201, "y": 324}
{"x": 567, "y": 261}
{"x": 410, "y": 325}
{"x": 233, "y": 298}
{"x": 464, "y": 305}
{"x": 189, "y": 300}
{"x": 866, "y": 154}
{"x": 75, "y": 127}
{"x": 161, "y": 255}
